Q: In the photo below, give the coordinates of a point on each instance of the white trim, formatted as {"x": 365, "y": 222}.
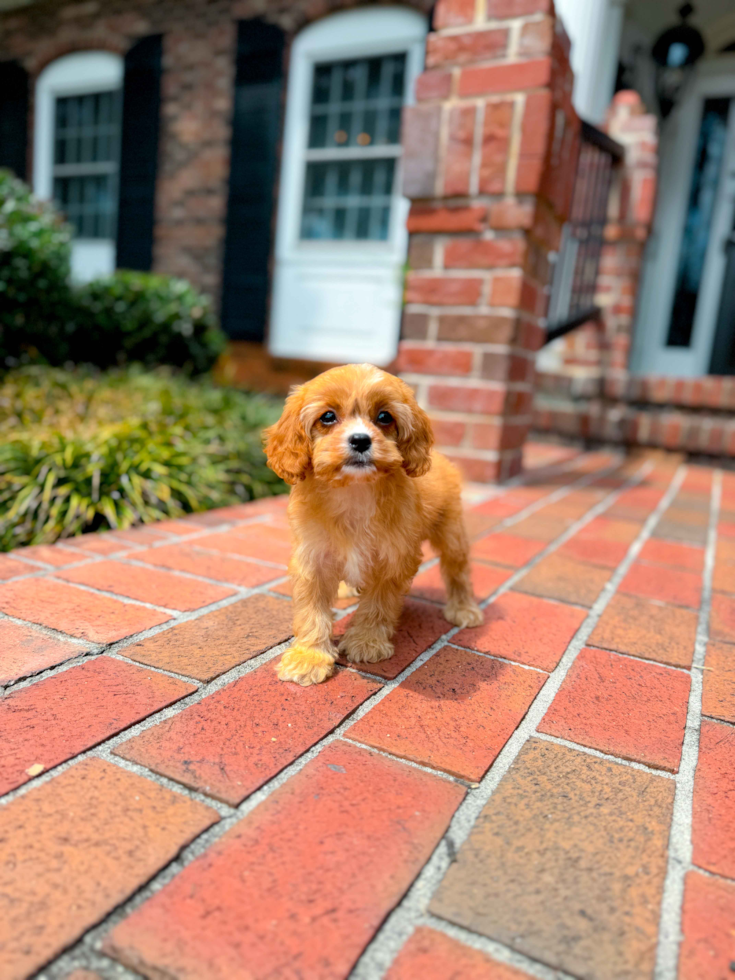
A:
{"x": 72, "y": 74}
{"x": 372, "y": 269}
{"x": 677, "y": 151}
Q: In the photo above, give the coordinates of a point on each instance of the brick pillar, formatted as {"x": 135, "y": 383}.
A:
{"x": 630, "y": 218}
{"x": 489, "y": 156}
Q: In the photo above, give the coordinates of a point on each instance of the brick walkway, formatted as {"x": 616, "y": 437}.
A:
{"x": 551, "y": 794}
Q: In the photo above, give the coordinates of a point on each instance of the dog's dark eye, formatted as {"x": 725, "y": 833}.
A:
{"x": 329, "y": 418}
{"x": 384, "y": 418}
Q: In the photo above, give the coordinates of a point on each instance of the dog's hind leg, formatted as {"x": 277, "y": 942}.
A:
{"x": 449, "y": 538}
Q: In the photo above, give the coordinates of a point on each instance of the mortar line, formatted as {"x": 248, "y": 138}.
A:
{"x": 93, "y": 937}
{"x": 390, "y": 938}
{"x": 680, "y": 836}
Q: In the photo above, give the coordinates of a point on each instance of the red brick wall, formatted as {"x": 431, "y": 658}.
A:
{"x": 487, "y": 153}
{"x": 196, "y": 110}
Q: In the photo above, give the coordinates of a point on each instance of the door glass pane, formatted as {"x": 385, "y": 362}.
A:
{"x": 357, "y": 103}
{"x": 348, "y": 199}
{"x": 86, "y": 152}
{"x": 702, "y": 194}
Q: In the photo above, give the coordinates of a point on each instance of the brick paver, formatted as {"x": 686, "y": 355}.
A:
{"x": 215, "y": 642}
{"x": 431, "y": 955}
{"x": 647, "y": 629}
{"x": 713, "y": 830}
{"x": 454, "y": 713}
{"x": 76, "y": 847}
{"x": 540, "y": 871}
{"x": 524, "y": 628}
{"x": 623, "y": 707}
{"x": 26, "y": 650}
{"x": 708, "y": 946}
{"x": 61, "y": 716}
{"x": 718, "y": 696}
{"x": 147, "y": 585}
{"x": 305, "y": 879}
{"x": 559, "y": 858}
{"x": 232, "y": 742}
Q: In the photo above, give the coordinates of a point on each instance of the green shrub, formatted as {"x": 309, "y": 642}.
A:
{"x": 151, "y": 319}
{"x": 35, "y": 298}
{"x": 85, "y": 451}
{"x": 128, "y": 317}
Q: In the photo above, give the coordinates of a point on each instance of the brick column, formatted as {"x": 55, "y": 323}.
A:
{"x": 489, "y": 156}
{"x": 630, "y": 219}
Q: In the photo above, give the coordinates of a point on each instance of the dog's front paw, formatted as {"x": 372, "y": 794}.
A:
{"x": 305, "y": 665}
{"x": 463, "y": 614}
{"x": 365, "y": 650}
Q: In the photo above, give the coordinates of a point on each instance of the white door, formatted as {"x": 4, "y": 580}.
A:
{"x": 341, "y": 236}
{"x": 682, "y": 283}
{"x": 76, "y": 152}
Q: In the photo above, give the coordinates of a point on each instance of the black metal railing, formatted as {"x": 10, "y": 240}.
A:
{"x": 572, "y": 299}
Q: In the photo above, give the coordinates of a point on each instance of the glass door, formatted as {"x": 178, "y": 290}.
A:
{"x": 684, "y": 274}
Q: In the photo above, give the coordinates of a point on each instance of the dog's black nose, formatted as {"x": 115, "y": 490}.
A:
{"x": 360, "y": 442}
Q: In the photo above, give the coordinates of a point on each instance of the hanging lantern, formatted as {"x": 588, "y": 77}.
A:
{"x": 675, "y": 53}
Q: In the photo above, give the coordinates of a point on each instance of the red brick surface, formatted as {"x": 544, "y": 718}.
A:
{"x": 252, "y": 901}
{"x": 233, "y": 741}
{"x": 718, "y": 695}
{"x": 558, "y": 577}
{"x": 55, "y": 719}
{"x": 455, "y": 713}
{"x": 431, "y": 955}
{"x": 666, "y": 585}
{"x": 566, "y": 863}
{"x": 223, "y": 568}
{"x": 708, "y": 947}
{"x": 485, "y": 580}
{"x": 89, "y": 616}
{"x": 78, "y": 846}
{"x": 713, "y": 829}
{"x": 153, "y": 586}
{"x": 525, "y": 629}
{"x": 507, "y": 549}
{"x": 217, "y": 641}
{"x": 623, "y": 707}
{"x": 647, "y": 629}
{"x": 27, "y": 651}
{"x": 420, "y": 625}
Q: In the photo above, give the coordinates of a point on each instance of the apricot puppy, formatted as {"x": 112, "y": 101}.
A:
{"x": 367, "y": 490}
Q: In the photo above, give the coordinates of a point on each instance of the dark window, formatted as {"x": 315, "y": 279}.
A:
{"x": 702, "y": 196}
{"x": 86, "y": 154}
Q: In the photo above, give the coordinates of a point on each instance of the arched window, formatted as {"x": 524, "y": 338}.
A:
{"x": 76, "y": 154}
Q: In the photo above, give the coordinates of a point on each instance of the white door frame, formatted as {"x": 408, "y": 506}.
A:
{"x": 80, "y": 73}
{"x": 677, "y": 152}
{"x": 339, "y": 300}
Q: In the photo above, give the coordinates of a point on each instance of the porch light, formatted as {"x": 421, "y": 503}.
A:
{"x": 675, "y": 53}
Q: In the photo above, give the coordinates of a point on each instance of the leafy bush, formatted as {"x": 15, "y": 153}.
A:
{"x": 137, "y": 316}
{"x": 35, "y": 298}
{"x": 128, "y": 317}
{"x": 85, "y": 451}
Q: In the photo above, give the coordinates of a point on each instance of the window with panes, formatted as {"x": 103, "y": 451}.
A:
{"x": 353, "y": 148}
{"x": 86, "y": 161}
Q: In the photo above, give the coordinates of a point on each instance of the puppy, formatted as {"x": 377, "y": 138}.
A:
{"x": 367, "y": 491}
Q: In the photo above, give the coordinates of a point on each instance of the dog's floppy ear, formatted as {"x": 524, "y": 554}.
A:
{"x": 415, "y": 441}
{"x": 287, "y": 446}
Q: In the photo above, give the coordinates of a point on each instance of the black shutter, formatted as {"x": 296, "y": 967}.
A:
{"x": 256, "y": 127}
{"x": 723, "y": 346}
{"x": 13, "y": 117}
{"x": 139, "y": 153}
